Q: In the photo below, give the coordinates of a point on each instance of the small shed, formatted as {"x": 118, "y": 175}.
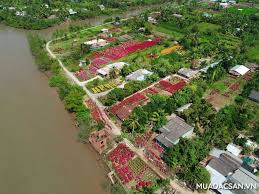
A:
{"x": 239, "y": 70}
{"x": 234, "y": 149}
{"x": 187, "y": 73}
{"x": 139, "y": 75}
{"x": 105, "y": 71}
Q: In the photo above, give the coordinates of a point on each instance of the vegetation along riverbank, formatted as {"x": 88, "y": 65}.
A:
{"x": 42, "y": 14}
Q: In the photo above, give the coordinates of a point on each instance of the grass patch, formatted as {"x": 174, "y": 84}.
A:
{"x": 244, "y": 11}
{"x": 171, "y": 31}
{"x": 219, "y": 86}
{"x": 204, "y": 26}
{"x": 253, "y": 54}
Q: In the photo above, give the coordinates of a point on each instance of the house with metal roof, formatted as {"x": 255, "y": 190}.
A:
{"x": 234, "y": 149}
{"x": 212, "y": 65}
{"x": 139, "y": 75}
{"x": 224, "y": 167}
{"x": 105, "y": 71}
{"x": 175, "y": 129}
{"x": 96, "y": 43}
{"x": 254, "y": 95}
{"x": 239, "y": 70}
{"x": 187, "y": 73}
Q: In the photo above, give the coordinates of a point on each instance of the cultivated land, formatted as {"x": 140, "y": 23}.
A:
{"x": 135, "y": 100}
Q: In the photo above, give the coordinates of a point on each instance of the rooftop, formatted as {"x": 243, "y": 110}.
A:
{"x": 234, "y": 149}
{"x": 106, "y": 70}
{"x": 254, "y": 95}
{"x": 173, "y": 130}
{"x": 139, "y": 75}
{"x": 188, "y": 73}
{"x": 239, "y": 70}
{"x": 245, "y": 177}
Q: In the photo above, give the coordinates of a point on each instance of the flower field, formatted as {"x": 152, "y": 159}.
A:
{"x": 95, "y": 112}
{"x": 82, "y": 75}
{"x": 171, "y": 49}
{"x": 124, "y": 108}
{"x": 103, "y": 87}
{"x": 167, "y": 86}
{"x": 117, "y": 52}
{"x": 153, "y": 151}
{"x": 131, "y": 170}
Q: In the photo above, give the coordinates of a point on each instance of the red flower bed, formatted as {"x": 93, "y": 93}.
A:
{"x": 142, "y": 140}
{"x": 158, "y": 147}
{"x": 234, "y": 87}
{"x": 95, "y": 112}
{"x": 167, "y": 86}
{"x": 247, "y": 76}
{"x": 120, "y": 157}
{"x": 82, "y": 75}
{"x": 141, "y": 184}
{"x": 122, "y": 50}
{"x": 124, "y": 108}
{"x": 134, "y": 99}
{"x": 151, "y": 90}
{"x": 156, "y": 160}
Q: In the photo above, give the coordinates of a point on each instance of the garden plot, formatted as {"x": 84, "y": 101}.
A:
{"x": 167, "y": 87}
{"x": 97, "y": 85}
{"x": 224, "y": 91}
{"x": 131, "y": 170}
{"x": 110, "y": 54}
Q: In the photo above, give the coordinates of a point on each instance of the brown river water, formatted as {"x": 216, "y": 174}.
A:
{"x": 39, "y": 153}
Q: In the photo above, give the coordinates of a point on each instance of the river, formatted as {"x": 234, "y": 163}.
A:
{"x": 38, "y": 147}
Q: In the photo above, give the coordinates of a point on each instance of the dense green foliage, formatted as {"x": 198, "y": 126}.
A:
{"x": 37, "y": 47}
{"x": 39, "y": 14}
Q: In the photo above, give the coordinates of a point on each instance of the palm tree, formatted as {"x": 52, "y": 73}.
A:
{"x": 158, "y": 118}
{"x": 133, "y": 123}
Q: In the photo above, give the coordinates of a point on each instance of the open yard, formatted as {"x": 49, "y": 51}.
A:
{"x": 223, "y": 92}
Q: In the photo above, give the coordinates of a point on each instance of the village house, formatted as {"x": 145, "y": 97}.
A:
{"x": 183, "y": 108}
{"x": 152, "y": 20}
{"x": 239, "y": 70}
{"x": 175, "y": 129}
{"x": 72, "y": 12}
{"x": 139, "y": 75}
{"x": 224, "y": 5}
{"x": 105, "y": 71}
{"x": 99, "y": 140}
{"x": 212, "y": 65}
{"x": 254, "y": 96}
{"x": 102, "y": 7}
{"x": 20, "y": 13}
{"x": 188, "y": 73}
{"x": 177, "y": 15}
{"x": 224, "y": 167}
{"x": 104, "y": 30}
{"x": 96, "y": 43}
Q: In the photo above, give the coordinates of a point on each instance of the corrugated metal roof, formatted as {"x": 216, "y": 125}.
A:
{"x": 173, "y": 130}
